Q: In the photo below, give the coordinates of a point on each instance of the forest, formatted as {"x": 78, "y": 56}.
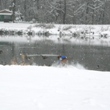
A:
{"x": 60, "y": 11}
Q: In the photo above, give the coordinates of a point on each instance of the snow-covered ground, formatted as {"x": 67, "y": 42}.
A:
{"x": 77, "y": 34}
{"x": 53, "y": 88}
{"x": 14, "y": 26}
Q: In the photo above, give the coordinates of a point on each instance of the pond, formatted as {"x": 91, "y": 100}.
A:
{"x": 93, "y": 57}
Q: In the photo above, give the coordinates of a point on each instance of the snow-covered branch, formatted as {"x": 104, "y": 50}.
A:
{"x": 52, "y": 6}
{"x": 81, "y": 7}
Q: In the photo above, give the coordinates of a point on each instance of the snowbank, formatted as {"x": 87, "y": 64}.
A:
{"x": 53, "y": 88}
{"x": 79, "y": 34}
{"x": 56, "y": 29}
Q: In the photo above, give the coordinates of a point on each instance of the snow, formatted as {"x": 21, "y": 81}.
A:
{"x": 53, "y": 88}
{"x": 85, "y": 34}
{"x": 15, "y": 26}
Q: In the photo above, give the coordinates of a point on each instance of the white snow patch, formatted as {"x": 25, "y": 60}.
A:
{"x": 75, "y": 34}
{"x": 53, "y": 88}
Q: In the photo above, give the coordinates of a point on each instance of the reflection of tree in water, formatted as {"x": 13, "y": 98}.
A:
{"x": 63, "y": 49}
{"x": 92, "y": 57}
{"x": 1, "y": 51}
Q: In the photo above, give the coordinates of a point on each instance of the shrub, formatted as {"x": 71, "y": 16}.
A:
{"x": 19, "y": 33}
{"x": 6, "y": 32}
{"x": 1, "y": 32}
{"x": 11, "y": 32}
{"x": 29, "y": 33}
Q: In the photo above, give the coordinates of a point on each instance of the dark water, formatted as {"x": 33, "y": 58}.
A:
{"x": 91, "y": 57}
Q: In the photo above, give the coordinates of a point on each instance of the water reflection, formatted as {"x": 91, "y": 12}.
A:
{"x": 91, "y": 56}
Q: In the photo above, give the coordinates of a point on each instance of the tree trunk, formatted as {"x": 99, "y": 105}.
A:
{"x": 13, "y": 4}
{"x": 25, "y": 10}
{"x": 64, "y": 14}
{"x": 37, "y": 4}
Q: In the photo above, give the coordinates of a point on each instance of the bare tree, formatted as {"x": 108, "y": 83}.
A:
{"x": 12, "y": 7}
{"x": 62, "y": 11}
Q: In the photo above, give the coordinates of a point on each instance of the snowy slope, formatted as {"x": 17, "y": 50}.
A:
{"x": 57, "y": 28}
{"x": 53, "y": 88}
{"x": 14, "y": 26}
